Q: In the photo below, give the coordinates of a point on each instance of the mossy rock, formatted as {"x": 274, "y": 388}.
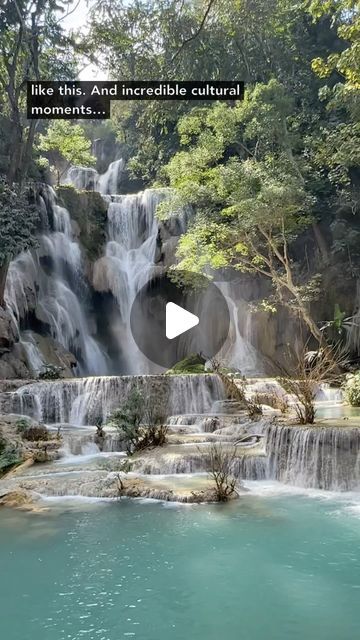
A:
{"x": 89, "y": 210}
{"x": 194, "y": 363}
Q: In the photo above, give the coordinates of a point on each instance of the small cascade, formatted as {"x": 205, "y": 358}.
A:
{"x": 331, "y": 395}
{"x": 238, "y": 352}
{"x": 89, "y": 179}
{"x": 317, "y": 457}
{"x": 85, "y": 401}
{"x": 109, "y": 181}
{"x": 49, "y": 284}
{"x": 34, "y": 356}
{"x": 78, "y": 445}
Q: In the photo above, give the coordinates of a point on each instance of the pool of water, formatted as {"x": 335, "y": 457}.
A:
{"x": 271, "y": 566}
{"x": 328, "y": 410}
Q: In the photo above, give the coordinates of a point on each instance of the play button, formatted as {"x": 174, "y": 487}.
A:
{"x": 170, "y": 321}
{"x": 178, "y": 320}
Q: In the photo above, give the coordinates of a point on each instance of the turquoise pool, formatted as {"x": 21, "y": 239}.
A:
{"x": 269, "y": 567}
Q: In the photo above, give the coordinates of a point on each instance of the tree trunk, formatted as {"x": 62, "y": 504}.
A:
{"x": 28, "y": 149}
{"x": 16, "y": 156}
{"x": 312, "y": 326}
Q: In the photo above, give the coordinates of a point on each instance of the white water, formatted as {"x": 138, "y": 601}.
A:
{"x": 237, "y": 352}
{"x": 128, "y": 264}
{"x": 83, "y": 401}
{"x": 88, "y": 178}
{"x": 49, "y": 282}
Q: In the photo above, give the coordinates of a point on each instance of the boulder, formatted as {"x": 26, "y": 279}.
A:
{"x": 21, "y": 499}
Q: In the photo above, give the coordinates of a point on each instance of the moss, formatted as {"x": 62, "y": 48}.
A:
{"x": 89, "y": 211}
{"x": 194, "y": 363}
{"x": 9, "y": 455}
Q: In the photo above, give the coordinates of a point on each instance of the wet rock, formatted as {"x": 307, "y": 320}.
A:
{"x": 13, "y": 364}
{"x": 8, "y": 333}
{"x": 55, "y": 354}
{"x": 21, "y": 499}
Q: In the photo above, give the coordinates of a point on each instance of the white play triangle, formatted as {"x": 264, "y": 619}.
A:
{"x": 178, "y": 320}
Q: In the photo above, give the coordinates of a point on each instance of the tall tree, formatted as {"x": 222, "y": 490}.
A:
{"x": 32, "y": 44}
{"x": 171, "y": 39}
{"x": 249, "y": 191}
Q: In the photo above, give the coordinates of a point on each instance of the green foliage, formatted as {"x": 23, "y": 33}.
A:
{"x": 251, "y": 41}
{"x": 140, "y": 421}
{"x": 9, "y": 454}
{"x": 352, "y": 389}
{"x": 337, "y": 146}
{"x": 89, "y": 210}
{"x": 50, "y": 372}
{"x": 22, "y": 424}
{"x": 193, "y": 363}
{"x": 345, "y": 16}
{"x": 33, "y": 46}
{"x": 18, "y": 220}
{"x": 240, "y": 173}
{"x": 66, "y": 144}
{"x": 9, "y": 458}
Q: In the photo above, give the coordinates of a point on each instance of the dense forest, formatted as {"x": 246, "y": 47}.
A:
{"x": 272, "y": 181}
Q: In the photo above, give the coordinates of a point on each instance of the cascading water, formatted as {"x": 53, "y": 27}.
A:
{"x": 49, "y": 283}
{"x": 83, "y": 401}
{"x": 128, "y": 264}
{"x": 132, "y": 258}
{"x": 88, "y": 178}
{"x": 237, "y": 351}
{"x": 318, "y": 457}
{"x": 311, "y": 457}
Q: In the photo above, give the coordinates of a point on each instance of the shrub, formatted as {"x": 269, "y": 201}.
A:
{"x": 22, "y": 424}
{"x": 194, "y": 363}
{"x": 311, "y": 368}
{"x": 36, "y": 433}
{"x": 31, "y": 432}
{"x": 50, "y": 372}
{"x": 140, "y": 421}
{"x": 9, "y": 457}
{"x": 221, "y": 462}
{"x": 352, "y": 389}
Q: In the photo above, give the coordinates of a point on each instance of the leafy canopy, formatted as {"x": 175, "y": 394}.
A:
{"x": 66, "y": 145}
{"x": 18, "y": 220}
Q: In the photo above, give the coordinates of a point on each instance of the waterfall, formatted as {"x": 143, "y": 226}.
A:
{"x": 238, "y": 352}
{"x": 49, "y": 283}
{"x": 128, "y": 264}
{"x": 88, "y": 178}
{"x": 317, "y": 457}
{"x": 83, "y": 401}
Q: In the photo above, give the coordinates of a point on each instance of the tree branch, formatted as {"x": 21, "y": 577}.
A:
{"x": 194, "y": 35}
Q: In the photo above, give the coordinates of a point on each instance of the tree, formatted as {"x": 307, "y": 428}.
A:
{"x": 221, "y": 460}
{"x": 66, "y": 145}
{"x": 345, "y": 17}
{"x": 140, "y": 421}
{"x": 240, "y": 174}
{"x": 251, "y": 40}
{"x": 311, "y": 369}
{"x": 18, "y": 221}
{"x": 337, "y": 147}
{"x": 32, "y": 45}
